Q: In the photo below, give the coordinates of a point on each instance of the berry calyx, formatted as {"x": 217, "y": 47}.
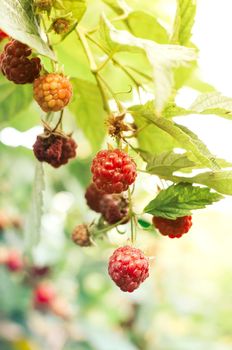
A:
{"x": 3, "y": 35}
{"x": 93, "y": 197}
{"x": 61, "y": 25}
{"x": 54, "y": 149}
{"x": 173, "y": 228}
{"x": 81, "y": 236}
{"x": 44, "y": 5}
{"x": 128, "y": 268}
{"x": 44, "y": 295}
{"x": 16, "y": 64}
{"x": 52, "y": 92}
{"x": 114, "y": 208}
{"x": 14, "y": 261}
{"x": 113, "y": 171}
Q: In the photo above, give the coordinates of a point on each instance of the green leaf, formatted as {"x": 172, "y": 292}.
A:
{"x": 76, "y": 8}
{"x": 185, "y": 138}
{"x": 185, "y": 15}
{"x": 162, "y": 58}
{"x": 166, "y": 163}
{"x": 145, "y": 26}
{"x": 89, "y": 112}
{"x": 13, "y": 98}
{"x": 17, "y": 19}
{"x": 179, "y": 200}
{"x": 213, "y": 103}
{"x": 172, "y": 110}
{"x": 151, "y": 138}
{"x": 33, "y": 225}
{"x": 221, "y": 181}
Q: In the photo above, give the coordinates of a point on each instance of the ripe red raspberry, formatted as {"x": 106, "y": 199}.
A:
{"x": 3, "y": 35}
{"x": 16, "y": 64}
{"x": 14, "y": 261}
{"x": 113, "y": 171}
{"x": 114, "y": 208}
{"x": 81, "y": 236}
{"x": 128, "y": 268}
{"x": 54, "y": 149}
{"x": 52, "y": 92}
{"x": 44, "y": 295}
{"x": 173, "y": 228}
{"x": 93, "y": 197}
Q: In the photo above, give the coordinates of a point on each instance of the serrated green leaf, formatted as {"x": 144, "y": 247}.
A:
{"x": 145, "y": 26}
{"x": 185, "y": 15}
{"x": 162, "y": 58}
{"x": 179, "y": 200}
{"x": 166, "y": 163}
{"x": 213, "y": 103}
{"x": 151, "y": 138}
{"x": 89, "y": 112}
{"x": 13, "y": 98}
{"x": 185, "y": 138}
{"x": 33, "y": 225}
{"x": 18, "y": 20}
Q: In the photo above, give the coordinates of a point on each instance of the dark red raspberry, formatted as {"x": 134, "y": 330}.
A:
{"x": 16, "y": 64}
{"x": 128, "y": 268}
{"x": 114, "y": 208}
{"x": 52, "y": 92}
{"x": 113, "y": 171}
{"x": 44, "y": 294}
{"x": 93, "y": 197}
{"x": 14, "y": 261}
{"x": 173, "y": 228}
{"x": 3, "y": 35}
{"x": 54, "y": 149}
{"x": 81, "y": 236}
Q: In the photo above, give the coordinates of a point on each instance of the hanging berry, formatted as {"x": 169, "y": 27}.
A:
{"x": 173, "y": 228}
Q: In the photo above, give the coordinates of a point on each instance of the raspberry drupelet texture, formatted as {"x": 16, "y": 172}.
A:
{"x": 81, "y": 236}
{"x": 114, "y": 208}
{"x": 52, "y": 92}
{"x": 16, "y": 64}
{"x": 93, "y": 197}
{"x": 173, "y": 228}
{"x": 44, "y": 294}
{"x": 113, "y": 171}
{"x": 55, "y": 149}
{"x": 128, "y": 268}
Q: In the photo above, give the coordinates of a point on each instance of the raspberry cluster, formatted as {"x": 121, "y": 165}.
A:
{"x": 52, "y": 92}
{"x": 128, "y": 268}
{"x": 113, "y": 171}
{"x": 81, "y": 236}
{"x": 173, "y": 228}
{"x": 16, "y": 64}
{"x": 54, "y": 149}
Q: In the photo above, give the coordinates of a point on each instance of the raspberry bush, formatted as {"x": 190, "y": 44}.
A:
{"x": 89, "y": 83}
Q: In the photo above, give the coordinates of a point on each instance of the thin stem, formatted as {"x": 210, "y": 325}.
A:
{"x": 59, "y": 121}
{"x": 93, "y": 66}
{"x": 108, "y": 228}
{"x": 120, "y": 107}
{"x": 53, "y": 63}
{"x": 131, "y": 214}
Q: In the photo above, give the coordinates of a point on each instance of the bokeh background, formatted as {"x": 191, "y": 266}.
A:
{"x": 187, "y": 302}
